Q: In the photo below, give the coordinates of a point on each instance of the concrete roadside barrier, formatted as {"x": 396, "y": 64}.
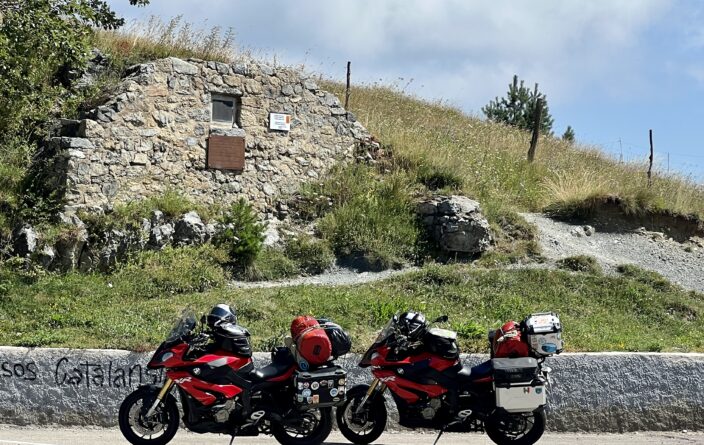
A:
{"x": 591, "y": 392}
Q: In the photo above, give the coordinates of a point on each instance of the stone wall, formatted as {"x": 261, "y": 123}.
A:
{"x": 600, "y": 392}
{"x": 153, "y": 135}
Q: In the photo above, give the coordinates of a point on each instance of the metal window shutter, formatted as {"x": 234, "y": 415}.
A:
{"x": 226, "y": 152}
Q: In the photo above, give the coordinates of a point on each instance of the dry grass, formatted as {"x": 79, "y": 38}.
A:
{"x": 490, "y": 158}
{"x": 157, "y": 39}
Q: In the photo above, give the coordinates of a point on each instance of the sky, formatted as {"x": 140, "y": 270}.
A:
{"x": 610, "y": 69}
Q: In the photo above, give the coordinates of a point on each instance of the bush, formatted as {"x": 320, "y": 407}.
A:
{"x": 376, "y": 225}
{"x": 271, "y": 264}
{"x": 644, "y": 276}
{"x": 313, "y": 255}
{"x": 580, "y": 263}
{"x": 243, "y": 235}
{"x": 171, "y": 271}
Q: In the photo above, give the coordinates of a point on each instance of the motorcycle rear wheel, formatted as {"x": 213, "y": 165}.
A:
{"x": 139, "y": 430}
{"x": 516, "y": 429}
{"x": 366, "y": 427}
{"x": 317, "y": 429}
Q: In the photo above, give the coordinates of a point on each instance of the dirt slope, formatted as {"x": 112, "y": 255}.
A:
{"x": 681, "y": 263}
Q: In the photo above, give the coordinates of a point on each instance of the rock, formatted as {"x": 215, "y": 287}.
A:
{"x": 456, "y": 224}
{"x": 183, "y": 67}
{"x": 310, "y": 85}
{"x": 161, "y": 235}
{"x": 271, "y": 235}
{"x": 456, "y": 205}
{"x": 427, "y": 208}
{"x": 69, "y": 249}
{"x": 46, "y": 257}
{"x": 24, "y": 241}
{"x": 589, "y": 230}
{"x": 577, "y": 231}
{"x": 189, "y": 230}
{"x": 140, "y": 159}
{"x": 157, "y": 217}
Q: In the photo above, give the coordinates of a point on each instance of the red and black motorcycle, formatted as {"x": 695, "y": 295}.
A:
{"x": 421, "y": 368}
{"x": 220, "y": 391}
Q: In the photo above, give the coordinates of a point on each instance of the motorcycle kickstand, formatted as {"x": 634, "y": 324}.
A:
{"x": 439, "y": 436}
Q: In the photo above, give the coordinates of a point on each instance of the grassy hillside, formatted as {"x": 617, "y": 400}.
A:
{"x": 134, "y": 308}
{"x": 489, "y": 160}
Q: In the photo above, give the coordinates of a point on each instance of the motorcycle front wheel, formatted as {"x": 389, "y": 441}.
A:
{"x": 158, "y": 429}
{"x": 365, "y": 426}
{"x": 516, "y": 429}
{"x": 306, "y": 428}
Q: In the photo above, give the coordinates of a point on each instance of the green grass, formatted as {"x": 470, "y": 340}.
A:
{"x": 134, "y": 307}
{"x": 580, "y": 263}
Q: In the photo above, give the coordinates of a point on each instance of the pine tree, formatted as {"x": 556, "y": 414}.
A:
{"x": 569, "y": 135}
{"x": 518, "y": 107}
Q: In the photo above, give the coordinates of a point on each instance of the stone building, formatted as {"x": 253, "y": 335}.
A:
{"x": 214, "y": 131}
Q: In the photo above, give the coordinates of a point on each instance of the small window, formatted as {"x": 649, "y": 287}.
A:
{"x": 225, "y": 109}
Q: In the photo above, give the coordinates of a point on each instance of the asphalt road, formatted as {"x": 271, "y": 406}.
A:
{"x": 12, "y": 435}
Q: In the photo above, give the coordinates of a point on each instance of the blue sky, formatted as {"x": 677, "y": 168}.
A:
{"x": 611, "y": 69}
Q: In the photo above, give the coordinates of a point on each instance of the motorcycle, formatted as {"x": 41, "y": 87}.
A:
{"x": 220, "y": 391}
{"x": 421, "y": 368}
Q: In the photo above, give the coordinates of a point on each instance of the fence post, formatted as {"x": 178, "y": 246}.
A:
{"x": 347, "y": 90}
{"x": 650, "y": 167}
{"x": 536, "y": 129}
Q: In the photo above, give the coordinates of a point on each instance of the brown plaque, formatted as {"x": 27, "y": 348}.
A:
{"x": 226, "y": 152}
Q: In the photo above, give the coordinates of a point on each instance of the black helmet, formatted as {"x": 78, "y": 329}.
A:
{"x": 412, "y": 324}
{"x": 221, "y": 314}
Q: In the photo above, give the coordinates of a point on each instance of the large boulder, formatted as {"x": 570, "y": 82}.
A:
{"x": 456, "y": 224}
{"x": 189, "y": 229}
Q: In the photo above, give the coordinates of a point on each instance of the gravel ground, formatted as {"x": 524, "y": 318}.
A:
{"x": 647, "y": 250}
{"x": 335, "y": 277}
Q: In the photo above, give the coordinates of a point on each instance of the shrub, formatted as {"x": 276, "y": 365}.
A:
{"x": 313, "y": 255}
{"x": 644, "y": 276}
{"x": 377, "y": 225}
{"x": 580, "y": 263}
{"x": 171, "y": 271}
{"x": 271, "y": 264}
{"x": 243, "y": 234}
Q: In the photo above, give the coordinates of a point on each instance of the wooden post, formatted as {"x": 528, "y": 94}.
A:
{"x": 347, "y": 91}
{"x": 650, "y": 167}
{"x": 536, "y": 129}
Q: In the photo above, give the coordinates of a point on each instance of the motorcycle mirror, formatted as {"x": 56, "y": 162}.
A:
{"x": 441, "y": 319}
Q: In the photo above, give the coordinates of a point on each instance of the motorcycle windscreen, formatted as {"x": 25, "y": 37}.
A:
{"x": 383, "y": 336}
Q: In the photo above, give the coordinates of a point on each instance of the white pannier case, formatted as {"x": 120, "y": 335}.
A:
{"x": 518, "y": 384}
{"x": 544, "y": 333}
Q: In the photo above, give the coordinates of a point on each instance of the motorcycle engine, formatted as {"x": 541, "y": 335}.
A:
{"x": 433, "y": 405}
{"x": 221, "y": 413}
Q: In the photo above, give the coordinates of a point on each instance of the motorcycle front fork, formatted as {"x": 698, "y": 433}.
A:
{"x": 168, "y": 384}
{"x": 375, "y": 386}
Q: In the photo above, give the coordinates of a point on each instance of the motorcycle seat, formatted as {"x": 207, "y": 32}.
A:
{"x": 269, "y": 372}
{"x": 470, "y": 374}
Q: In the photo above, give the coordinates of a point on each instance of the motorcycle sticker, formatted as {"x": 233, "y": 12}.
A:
{"x": 300, "y": 399}
{"x": 316, "y": 399}
{"x": 306, "y": 393}
{"x": 331, "y": 383}
{"x": 310, "y": 400}
{"x": 314, "y": 386}
{"x": 306, "y": 385}
{"x": 341, "y": 382}
{"x": 324, "y": 383}
{"x": 333, "y": 392}
{"x": 300, "y": 385}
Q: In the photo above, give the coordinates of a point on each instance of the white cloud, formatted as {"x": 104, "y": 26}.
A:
{"x": 462, "y": 50}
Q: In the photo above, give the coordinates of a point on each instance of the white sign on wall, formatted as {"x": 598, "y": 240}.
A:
{"x": 280, "y": 121}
